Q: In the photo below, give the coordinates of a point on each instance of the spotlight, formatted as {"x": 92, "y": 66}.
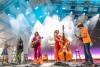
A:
{"x": 36, "y": 8}
{"x": 17, "y": 8}
{"x": 8, "y": 14}
{"x": 17, "y": 5}
{"x": 85, "y": 9}
{"x": 27, "y": 12}
{"x": 7, "y": 11}
{"x": 27, "y": 0}
{"x": 40, "y": 17}
{"x": 71, "y": 13}
{"x": 57, "y": 11}
{"x": 47, "y": 13}
{"x": 33, "y": 22}
{"x": 63, "y": 8}
{"x": 83, "y": 13}
{"x": 98, "y": 15}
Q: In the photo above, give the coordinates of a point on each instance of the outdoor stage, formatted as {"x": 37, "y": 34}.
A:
{"x": 20, "y": 19}
{"x": 51, "y": 64}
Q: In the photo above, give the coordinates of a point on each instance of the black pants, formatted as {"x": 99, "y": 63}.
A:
{"x": 18, "y": 56}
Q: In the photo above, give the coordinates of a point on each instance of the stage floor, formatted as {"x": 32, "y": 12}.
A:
{"x": 51, "y": 64}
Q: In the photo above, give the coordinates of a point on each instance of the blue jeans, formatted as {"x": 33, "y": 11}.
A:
{"x": 88, "y": 57}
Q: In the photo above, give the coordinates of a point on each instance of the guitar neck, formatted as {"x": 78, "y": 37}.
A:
{"x": 63, "y": 34}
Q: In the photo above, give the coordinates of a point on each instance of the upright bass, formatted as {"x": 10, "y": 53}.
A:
{"x": 65, "y": 53}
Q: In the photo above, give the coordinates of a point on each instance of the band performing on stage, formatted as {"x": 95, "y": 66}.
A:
{"x": 62, "y": 50}
{"x": 62, "y": 47}
{"x": 50, "y": 33}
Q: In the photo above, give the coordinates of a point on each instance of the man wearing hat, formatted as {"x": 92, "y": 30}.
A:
{"x": 86, "y": 41}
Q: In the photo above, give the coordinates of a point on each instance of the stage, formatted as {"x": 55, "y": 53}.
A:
{"x": 63, "y": 20}
{"x": 51, "y": 64}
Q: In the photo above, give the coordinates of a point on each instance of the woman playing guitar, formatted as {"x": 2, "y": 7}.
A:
{"x": 36, "y": 44}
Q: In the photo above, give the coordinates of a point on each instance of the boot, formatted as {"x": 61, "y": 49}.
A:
{"x": 40, "y": 61}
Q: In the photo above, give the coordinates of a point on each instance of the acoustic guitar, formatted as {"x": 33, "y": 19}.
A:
{"x": 35, "y": 42}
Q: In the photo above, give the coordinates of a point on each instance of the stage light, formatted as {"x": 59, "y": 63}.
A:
{"x": 85, "y": 9}
{"x": 57, "y": 11}
{"x": 27, "y": 1}
{"x": 40, "y": 16}
{"x": 7, "y": 11}
{"x": 36, "y": 8}
{"x": 71, "y": 13}
{"x": 33, "y": 22}
{"x": 98, "y": 15}
{"x": 17, "y": 5}
{"x": 27, "y": 13}
{"x": 63, "y": 8}
{"x": 8, "y": 14}
{"x": 47, "y": 13}
{"x": 83, "y": 13}
{"x": 17, "y": 8}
